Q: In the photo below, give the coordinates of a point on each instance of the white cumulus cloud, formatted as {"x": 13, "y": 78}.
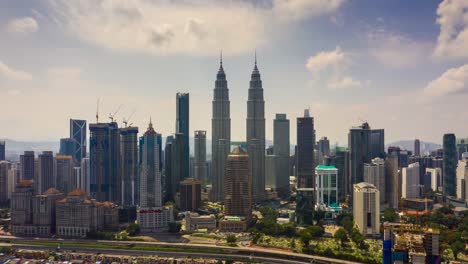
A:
{"x": 10, "y": 73}
{"x": 182, "y": 27}
{"x": 452, "y": 81}
{"x": 453, "y": 37}
{"x": 332, "y": 66}
{"x": 23, "y": 25}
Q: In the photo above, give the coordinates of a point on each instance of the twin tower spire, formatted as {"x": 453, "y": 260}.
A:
{"x": 255, "y": 133}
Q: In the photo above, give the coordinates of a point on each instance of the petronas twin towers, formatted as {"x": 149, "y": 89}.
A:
{"x": 221, "y": 134}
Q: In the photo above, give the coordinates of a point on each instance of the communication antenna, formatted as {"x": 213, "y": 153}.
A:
{"x": 112, "y": 115}
{"x": 97, "y": 110}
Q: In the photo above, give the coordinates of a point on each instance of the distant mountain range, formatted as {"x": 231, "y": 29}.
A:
{"x": 409, "y": 145}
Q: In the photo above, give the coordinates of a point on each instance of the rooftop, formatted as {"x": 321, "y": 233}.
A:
{"x": 325, "y": 167}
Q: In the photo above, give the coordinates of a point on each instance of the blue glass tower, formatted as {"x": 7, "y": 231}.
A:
{"x": 182, "y": 127}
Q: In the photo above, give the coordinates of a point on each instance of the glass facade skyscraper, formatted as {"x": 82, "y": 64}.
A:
{"x": 78, "y": 134}
{"x": 182, "y": 127}
{"x": 450, "y": 165}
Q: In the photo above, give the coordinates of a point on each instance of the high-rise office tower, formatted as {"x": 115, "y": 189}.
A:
{"x": 366, "y": 208}
{"x": 364, "y": 144}
{"x": 151, "y": 215}
{"x": 190, "y": 194}
{"x": 324, "y": 146}
{"x": 374, "y": 173}
{"x": 433, "y": 179}
{"x": 78, "y": 134}
{"x": 86, "y": 174}
{"x": 67, "y": 147}
{"x": 27, "y": 165}
{"x": 450, "y": 165}
{"x": 104, "y": 157}
{"x": 129, "y": 164}
{"x": 168, "y": 184}
{"x": 305, "y": 151}
{"x": 256, "y": 134}
{"x": 281, "y": 149}
{"x": 46, "y": 177}
{"x": 221, "y": 133}
{"x": 417, "y": 147}
{"x": 176, "y": 161}
{"x": 150, "y": 177}
{"x": 326, "y": 190}
{"x": 343, "y": 180}
{"x": 2, "y": 150}
{"x": 200, "y": 157}
{"x": 393, "y": 188}
{"x": 4, "y": 166}
{"x": 410, "y": 185}
{"x": 64, "y": 173}
{"x": 182, "y": 127}
{"x": 238, "y": 185}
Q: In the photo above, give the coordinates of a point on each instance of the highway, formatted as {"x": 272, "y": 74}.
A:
{"x": 239, "y": 253}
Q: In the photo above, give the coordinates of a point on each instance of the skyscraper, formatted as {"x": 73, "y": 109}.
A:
{"x": 129, "y": 164}
{"x": 150, "y": 177}
{"x": 67, "y": 147}
{"x": 200, "y": 157}
{"x": 190, "y": 194}
{"x": 410, "y": 185}
{"x": 256, "y": 134}
{"x": 305, "y": 151}
{"x": 104, "y": 161}
{"x": 221, "y": 132}
{"x": 324, "y": 146}
{"x": 4, "y": 166}
{"x": 152, "y": 217}
{"x": 78, "y": 134}
{"x": 64, "y": 173}
{"x": 168, "y": 189}
{"x": 417, "y": 147}
{"x": 46, "y": 177}
{"x": 238, "y": 185}
{"x": 450, "y": 165}
{"x": 364, "y": 144}
{"x": 281, "y": 150}
{"x": 2, "y": 150}
{"x": 177, "y": 170}
{"x": 182, "y": 127}
{"x": 393, "y": 188}
{"x": 374, "y": 173}
{"x": 27, "y": 165}
{"x": 86, "y": 174}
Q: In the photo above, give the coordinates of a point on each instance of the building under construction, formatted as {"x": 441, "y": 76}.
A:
{"x": 408, "y": 243}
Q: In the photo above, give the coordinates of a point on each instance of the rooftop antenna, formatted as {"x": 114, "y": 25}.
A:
{"x": 255, "y": 57}
{"x": 97, "y": 111}
{"x": 221, "y": 58}
{"x": 112, "y": 115}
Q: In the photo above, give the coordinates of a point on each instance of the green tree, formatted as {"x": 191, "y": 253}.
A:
{"x": 347, "y": 223}
{"x": 457, "y": 247}
{"x": 231, "y": 239}
{"x": 359, "y": 239}
{"x": 390, "y": 215}
{"x": 342, "y": 236}
{"x": 133, "y": 229}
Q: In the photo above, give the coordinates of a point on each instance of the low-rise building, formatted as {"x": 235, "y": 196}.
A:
{"x": 233, "y": 224}
{"x": 77, "y": 214}
{"x": 154, "y": 220}
{"x": 196, "y": 222}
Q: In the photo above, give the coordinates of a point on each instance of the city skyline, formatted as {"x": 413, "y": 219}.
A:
{"x": 344, "y": 77}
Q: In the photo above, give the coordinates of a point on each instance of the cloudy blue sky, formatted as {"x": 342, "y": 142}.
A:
{"x": 401, "y": 65}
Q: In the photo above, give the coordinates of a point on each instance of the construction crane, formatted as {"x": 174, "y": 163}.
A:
{"x": 125, "y": 120}
{"x": 112, "y": 115}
